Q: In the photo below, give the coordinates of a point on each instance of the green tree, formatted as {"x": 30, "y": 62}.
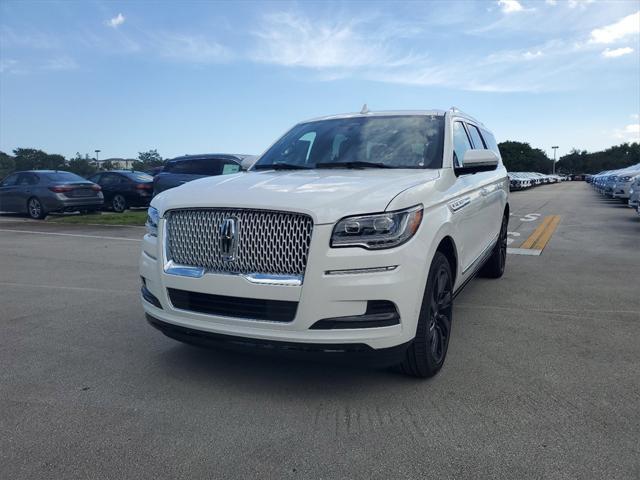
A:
{"x": 521, "y": 157}
{"x": 33, "y": 159}
{"x": 613, "y": 158}
{"x": 7, "y": 164}
{"x": 80, "y": 165}
{"x": 150, "y": 158}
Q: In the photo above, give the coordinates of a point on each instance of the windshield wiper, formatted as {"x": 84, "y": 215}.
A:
{"x": 280, "y": 166}
{"x": 356, "y": 164}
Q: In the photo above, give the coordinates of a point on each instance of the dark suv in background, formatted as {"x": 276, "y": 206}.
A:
{"x": 38, "y": 192}
{"x": 124, "y": 188}
{"x": 191, "y": 167}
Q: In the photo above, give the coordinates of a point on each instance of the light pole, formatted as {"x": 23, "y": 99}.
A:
{"x": 555, "y": 148}
{"x": 97, "y": 163}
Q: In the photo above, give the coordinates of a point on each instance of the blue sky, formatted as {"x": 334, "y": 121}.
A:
{"x": 192, "y": 77}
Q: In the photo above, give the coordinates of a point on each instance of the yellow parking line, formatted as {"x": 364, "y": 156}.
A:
{"x": 546, "y": 236}
{"x": 541, "y": 235}
{"x": 528, "y": 243}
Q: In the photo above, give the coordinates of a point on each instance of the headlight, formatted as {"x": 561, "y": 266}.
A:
{"x": 380, "y": 230}
{"x": 153, "y": 217}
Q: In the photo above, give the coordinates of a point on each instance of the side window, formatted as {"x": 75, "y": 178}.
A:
{"x": 94, "y": 179}
{"x": 27, "y": 179}
{"x": 461, "y": 143}
{"x": 109, "y": 179}
{"x": 491, "y": 143}
{"x": 207, "y": 167}
{"x": 10, "y": 180}
{"x": 476, "y": 138}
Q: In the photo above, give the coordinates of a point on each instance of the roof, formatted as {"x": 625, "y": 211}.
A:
{"x": 390, "y": 113}
{"x": 226, "y": 156}
{"x": 383, "y": 113}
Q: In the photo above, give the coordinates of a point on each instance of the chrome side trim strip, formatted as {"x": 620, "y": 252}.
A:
{"x": 267, "y": 279}
{"x": 183, "y": 270}
{"x": 356, "y": 271}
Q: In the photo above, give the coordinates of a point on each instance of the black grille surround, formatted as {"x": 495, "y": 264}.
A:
{"x": 235, "y": 307}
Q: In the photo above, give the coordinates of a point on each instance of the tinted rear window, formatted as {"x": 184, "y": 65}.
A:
{"x": 139, "y": 176}
{"x": 64, "y": 177}
{"x": 200, "y": 166}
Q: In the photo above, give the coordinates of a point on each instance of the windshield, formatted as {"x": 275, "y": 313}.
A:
{"x": 408, "y": 141}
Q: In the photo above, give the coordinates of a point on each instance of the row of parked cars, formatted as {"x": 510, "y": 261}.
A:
{"x": 524, "y": 180}
{"x": 40, "y": 192}
{"x": 623, "y": 184}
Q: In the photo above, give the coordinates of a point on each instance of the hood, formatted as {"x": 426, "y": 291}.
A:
{"x": 327, "y": 195}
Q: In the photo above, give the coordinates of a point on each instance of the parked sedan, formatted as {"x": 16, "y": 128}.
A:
{"x": 124, "y": 188}
{"x": 38, "y": 192}
{"x": 634, "y": 193}
{"x": 191, "y": 167}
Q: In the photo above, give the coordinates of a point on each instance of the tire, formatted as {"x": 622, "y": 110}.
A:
{"x": 428, "y": 350}
{"x": 494, "y": 266}
{"x": 35, "y": 209}
{"x": 118, "y": 203}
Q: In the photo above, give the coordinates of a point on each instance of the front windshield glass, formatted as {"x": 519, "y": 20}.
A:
{"x": 406, "y": 141}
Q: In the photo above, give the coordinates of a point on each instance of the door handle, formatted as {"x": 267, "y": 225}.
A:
{"x": 484, "y": 192}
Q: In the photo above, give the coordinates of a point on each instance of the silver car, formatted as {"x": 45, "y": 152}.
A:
{"x": 38, "y": 192}
{"x": 634, "y": 192}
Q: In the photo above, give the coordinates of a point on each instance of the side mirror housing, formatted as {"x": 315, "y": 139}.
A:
{"x": 477, "y": 161}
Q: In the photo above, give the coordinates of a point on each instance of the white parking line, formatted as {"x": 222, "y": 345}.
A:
{"x": 523, "y": 251}
{"x": 72, "y": 235}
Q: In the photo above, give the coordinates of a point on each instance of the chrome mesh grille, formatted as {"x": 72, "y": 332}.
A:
{"x": 268, "y": 242}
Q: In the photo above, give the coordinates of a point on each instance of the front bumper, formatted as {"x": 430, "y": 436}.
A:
{"x": 621, "y": 191}
{"x": 321, "y": 296}
{"x": 359, "y": 353}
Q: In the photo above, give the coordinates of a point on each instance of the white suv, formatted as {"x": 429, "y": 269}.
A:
{"x": 349, "y": 237}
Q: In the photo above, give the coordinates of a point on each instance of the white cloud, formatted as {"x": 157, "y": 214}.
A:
{"x": 10, "y": 65}
{"x": 635, "y": 116}
{"x": 617, "y": 52}
{"x": 189, "y": 48}
{"x": 24, "y": 38}
{"x": 629, "y": 25}
{"x": 292, "y": 40}
{"x": 510, "y": 6}
{"x": 579, "y": 3}
{"x": 551, "y": 2}
{"x": 60, "y": 63}
{"x": 630, "y": 133}
{"x": 514, "y": 56}
{"x": 116, "y": 21}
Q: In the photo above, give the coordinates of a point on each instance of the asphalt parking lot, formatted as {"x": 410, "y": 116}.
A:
{"x": 542, "y": 378}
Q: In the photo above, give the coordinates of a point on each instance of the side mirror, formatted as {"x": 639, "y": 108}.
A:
{"x": 477, "y": 161}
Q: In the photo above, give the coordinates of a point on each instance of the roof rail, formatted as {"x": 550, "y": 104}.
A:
{"x": 457, "y": 111}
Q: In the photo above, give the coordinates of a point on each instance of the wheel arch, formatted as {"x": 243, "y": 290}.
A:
{"x": 447, "y": 246}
